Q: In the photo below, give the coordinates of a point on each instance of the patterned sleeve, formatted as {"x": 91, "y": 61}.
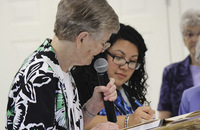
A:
{"x": 165, "y": 91}
{"x": 32, "y": 98}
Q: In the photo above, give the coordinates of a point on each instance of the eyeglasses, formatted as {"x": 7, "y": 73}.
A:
{"x": 121, "y": 61}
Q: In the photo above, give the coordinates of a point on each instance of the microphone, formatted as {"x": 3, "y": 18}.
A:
{"x": 101, "y": 66}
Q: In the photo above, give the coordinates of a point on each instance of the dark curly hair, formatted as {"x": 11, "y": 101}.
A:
{"x": 86, "y": 76}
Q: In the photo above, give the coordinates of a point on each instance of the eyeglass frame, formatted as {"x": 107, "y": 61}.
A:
{"x": 106, "y": 45}
{"x": 137, "y": 65}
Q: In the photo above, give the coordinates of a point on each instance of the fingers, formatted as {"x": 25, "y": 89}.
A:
{"x": 110, "y": 97}
{"x": 141, "y": 114}
{"x": 150, "y": 112}
{"x": 145, "y": 112}
{"x": 112, "y": 81}
{"x": 106, "y": 126}
{"x": 109, "y": 91}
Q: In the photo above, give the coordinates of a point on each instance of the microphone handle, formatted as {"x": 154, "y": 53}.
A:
{"x": 109, "y": 105}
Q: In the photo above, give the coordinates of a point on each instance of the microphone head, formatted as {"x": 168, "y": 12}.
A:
{"x": 101, "y": 65}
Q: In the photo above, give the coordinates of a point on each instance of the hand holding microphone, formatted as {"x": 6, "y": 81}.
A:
{"x": 101, "y": 66}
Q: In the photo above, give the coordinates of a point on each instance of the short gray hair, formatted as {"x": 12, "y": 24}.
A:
{"x": 190, "y": 17}
{"x": 93, "y": 16}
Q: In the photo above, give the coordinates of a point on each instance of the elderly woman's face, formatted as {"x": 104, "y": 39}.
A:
{"x": 92, "y": 48}
{"x": 126, "y": 50}
{"x": 191, "y": 35}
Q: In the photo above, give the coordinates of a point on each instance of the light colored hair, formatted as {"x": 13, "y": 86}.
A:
{"x": 191, "y": 17}
{"x": 93, "y": 16}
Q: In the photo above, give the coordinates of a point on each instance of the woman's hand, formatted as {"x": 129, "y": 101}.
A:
{"x": 96, "y": 103}
{"x": 140, "y": 114}
{"x": 109, "y": 92}
{"x": 106, "y": 126}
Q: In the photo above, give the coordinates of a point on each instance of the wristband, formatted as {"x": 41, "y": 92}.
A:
{"x": 126, "y": 120}
{"x": 87, "y": 112}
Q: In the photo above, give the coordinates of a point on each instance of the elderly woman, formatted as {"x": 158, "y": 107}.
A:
{"x": 182, "y": 75}
{"x": 43, "y": 94}
{"x": 190, "y": 99}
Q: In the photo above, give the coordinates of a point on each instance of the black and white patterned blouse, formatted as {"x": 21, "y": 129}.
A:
{"x": 42, "y": 96}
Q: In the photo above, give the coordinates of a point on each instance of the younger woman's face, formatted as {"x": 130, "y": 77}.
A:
{"x": 129, "y": 52}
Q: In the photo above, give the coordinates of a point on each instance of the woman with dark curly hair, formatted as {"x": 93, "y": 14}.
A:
{"x": 126, "y": 64}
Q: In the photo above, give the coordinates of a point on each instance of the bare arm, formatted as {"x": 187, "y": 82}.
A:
{"x": 101, "y": 119}
{"x": 95, "y": 103}
{"x": 144, "y": 112}
{"x": 164, "y": 114}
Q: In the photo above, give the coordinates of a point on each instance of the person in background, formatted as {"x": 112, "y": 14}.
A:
{"x": 190, "y": 99}
{"x": 126, "y": 64}
{"x": 43, "y": 94}
{"x": 180, "y": 76}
